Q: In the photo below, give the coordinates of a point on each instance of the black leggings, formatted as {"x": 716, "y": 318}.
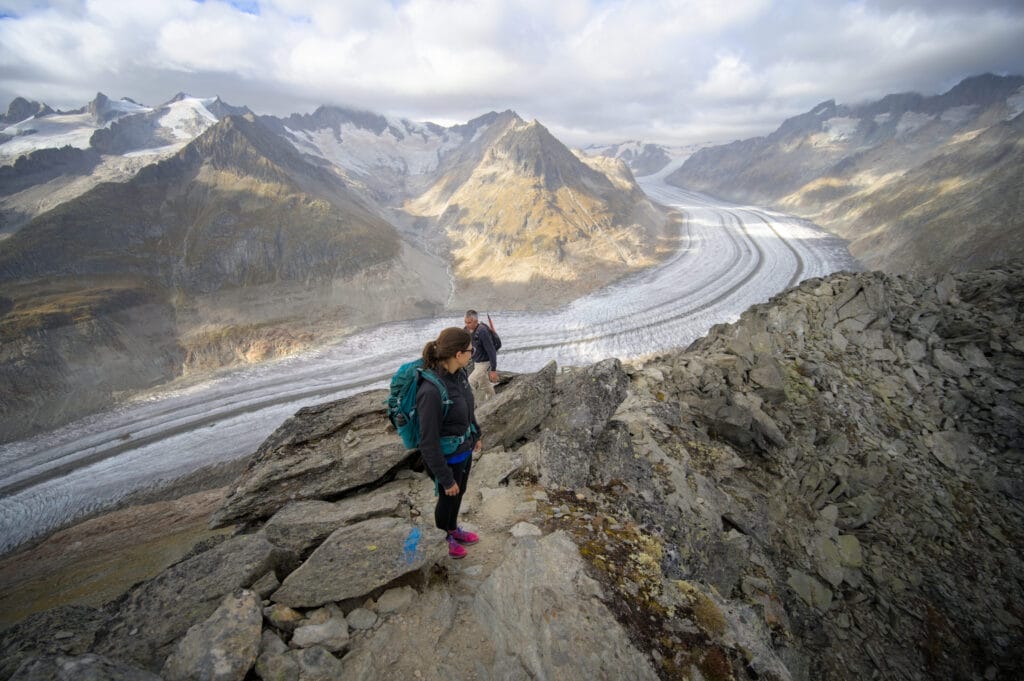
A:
{"x": 446, "y": 513}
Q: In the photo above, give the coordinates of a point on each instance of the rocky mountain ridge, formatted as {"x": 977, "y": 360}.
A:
{"x": 200, "y": 247}
{"x": 43, "y": 153}
{"x": 830, "y": 488}
{"x": 21, "y": 108}
{"x": 527, "y": 213}
{"x": 917, "y": 156}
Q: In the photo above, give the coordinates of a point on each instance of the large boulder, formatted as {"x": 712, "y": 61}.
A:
{"x": 224, "y": 647}
{"x": 518, "y": 409}
{"x": 150, "y": 618}
{"x": 359, "y": 558}
{"x": 547, "y": 619}
{"x": 302, "y": 525}
{"x": 322, "y": 452}
{"x": 585, "y": 401}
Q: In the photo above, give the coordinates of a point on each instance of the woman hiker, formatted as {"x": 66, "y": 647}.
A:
{"x": 456, "y": 431}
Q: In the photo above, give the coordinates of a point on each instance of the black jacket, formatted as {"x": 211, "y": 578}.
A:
{"x": 483, "y": 346}
{"x": 460, "y": 415}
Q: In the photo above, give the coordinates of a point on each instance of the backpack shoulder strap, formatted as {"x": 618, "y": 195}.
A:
{"x": 439, "y": 384}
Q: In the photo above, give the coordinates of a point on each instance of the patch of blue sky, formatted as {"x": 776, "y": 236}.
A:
{"x": 247, "y": 6}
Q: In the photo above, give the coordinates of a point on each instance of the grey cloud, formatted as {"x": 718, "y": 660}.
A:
{"x": 788, "y": 57}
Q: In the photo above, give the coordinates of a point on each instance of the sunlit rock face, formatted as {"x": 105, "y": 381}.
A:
{"x": 531, "y": 223}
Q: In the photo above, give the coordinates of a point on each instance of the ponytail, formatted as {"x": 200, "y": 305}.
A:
{"x": 449, "y": 343}
{"x": 430, "y": 359}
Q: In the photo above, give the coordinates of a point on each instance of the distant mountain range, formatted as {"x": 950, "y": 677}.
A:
{"x": 915, "y": 183}
{"x": 142, "y": 243}
{"x": 645, "y": 158}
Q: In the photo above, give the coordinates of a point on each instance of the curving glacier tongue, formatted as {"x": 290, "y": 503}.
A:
{"x": 730, "y": 258}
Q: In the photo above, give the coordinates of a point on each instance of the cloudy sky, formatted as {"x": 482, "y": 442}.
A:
{"x": 671, "y": 71}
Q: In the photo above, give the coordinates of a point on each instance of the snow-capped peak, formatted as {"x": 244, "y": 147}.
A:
{"x": 188, "y": 116}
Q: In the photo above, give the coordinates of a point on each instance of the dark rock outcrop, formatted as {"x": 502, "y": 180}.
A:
{"x": 519, "y": 408}
{"x": 20, "y": 109}
{"x": 150, "y": 619}
{"x": 562, "y": 455}
{"x": 322, "y": 452}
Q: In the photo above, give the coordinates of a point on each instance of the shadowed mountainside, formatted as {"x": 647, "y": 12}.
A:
{"x": 922, "y": 184}
{"x": 236, "y": 212}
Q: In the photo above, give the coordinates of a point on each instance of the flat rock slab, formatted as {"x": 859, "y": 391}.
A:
{"x": 320, "y": 453}
{"x": 302, "y": 525}
{"x": 358, "y": 558}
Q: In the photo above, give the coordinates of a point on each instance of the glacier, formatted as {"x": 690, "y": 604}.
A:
{"x": 730, "y": 257}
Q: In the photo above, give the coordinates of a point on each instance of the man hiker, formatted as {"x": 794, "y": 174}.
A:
{"x": 485, "y": 358}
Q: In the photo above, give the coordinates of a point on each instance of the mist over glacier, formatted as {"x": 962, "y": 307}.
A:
{"x": 730, "y": 258}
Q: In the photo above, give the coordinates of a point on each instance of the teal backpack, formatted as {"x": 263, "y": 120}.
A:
{"x": 401, "y": 403}
{"x": 401, "y": 407}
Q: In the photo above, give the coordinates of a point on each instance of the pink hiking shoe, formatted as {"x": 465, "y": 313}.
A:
{"x": 463, "y": 536}
{"x": 455, "y": 550}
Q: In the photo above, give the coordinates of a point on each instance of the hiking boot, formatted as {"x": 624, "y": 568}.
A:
{"x": 463, "y": 536}
{"x": 455, "y": 550}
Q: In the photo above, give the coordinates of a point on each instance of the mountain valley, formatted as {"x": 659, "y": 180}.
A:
{"x": 718, "y": 448}
{"x": 242, "y": 238}
{"x": 916, "y": 184}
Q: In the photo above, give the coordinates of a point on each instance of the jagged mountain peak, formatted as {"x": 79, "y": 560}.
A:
{"x": 219, "y": 108}
{"x": 806, "y": 122}
{"x": 982, "y": 90}
{"x": 241, "y": 141}
{"x": 333, "y": 117}
{"x": 895, "y": 105}
{"x": 642, "y": 158}
{"x": 530, "y": 136}
{"x": 487, "y": 120}
{"x": 103, "y": 110}
{"x": 532, "y": 150}
{"x": 21, "y": 109}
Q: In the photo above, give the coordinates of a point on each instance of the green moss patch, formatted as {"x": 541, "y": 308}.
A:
{"x": 672, "y": 621}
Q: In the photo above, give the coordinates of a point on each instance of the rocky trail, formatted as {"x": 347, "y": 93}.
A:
{"x": 830, "y": 488}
